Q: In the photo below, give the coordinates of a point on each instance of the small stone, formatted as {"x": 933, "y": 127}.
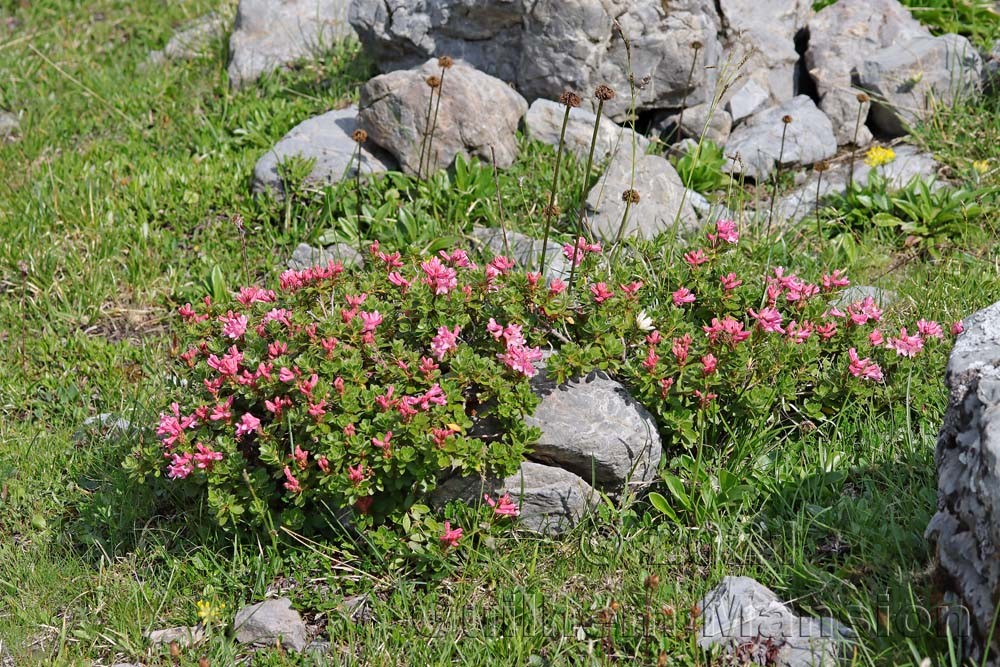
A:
{"x": 194, "y": 40}
{"x": 595, "y": 429}
{"x": 327, "y": 139}
{"x": 184, "y": 636}
{"x": 745, "y": 618}
{"x": 269, "y": 35}
{"x": 478, "y": 116}
{"x": 269, "y": 622}
{"x": 544, "y": 123}
{"x": 809, "y": 138}
{"x": 9, "y": 124}
{"x": 748, "y": 99}
{"x": 662, "y": 203}
{"x": 306, "y": 256}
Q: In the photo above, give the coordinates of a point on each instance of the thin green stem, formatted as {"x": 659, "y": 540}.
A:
{"x": 357, "y": 203}
{"x": 550, "y": 209}
{"x": 430, "y": 138}
{"x": 583, "y": 192}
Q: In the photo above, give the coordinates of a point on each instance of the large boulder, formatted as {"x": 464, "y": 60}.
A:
{"x": 910, "y": 80}
{"x": 841, "y": 36}
{"x": 663, "y": 200}
{"x": 545, "y": 47}
{"x": 595, "y": 429}
{"x": 808, "y": 138}
{"x": 753, "y": 626}
{"x": 270, "y": 34}
{"x": 544, "y": 123}
{"x": 965, "y": 531}
{"x": 327, "y": 140}
{"x": 478, "y": 115}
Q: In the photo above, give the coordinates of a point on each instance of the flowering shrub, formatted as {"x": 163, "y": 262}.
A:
{"x": 353, "y": 389}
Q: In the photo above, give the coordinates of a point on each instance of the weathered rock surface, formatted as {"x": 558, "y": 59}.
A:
{"x": 306, "y": 256}
{"x": 747, "y": 620}
{"x": 105, "y": 425}
{"x": 270, "y": 34}
{"x": 715, "y": 123}
{"x": 268, "y": 622}
{"x": 524, "y": 250}
{"x": 809, "y": 138}
{"x": 327, "y": 140}
{"x": 544, "y": 123}
{"x": 477, "y": 112}
{"x": 194, "y": 40}
{"x": 841, "y": 35}
{"x": 547, "y": 46}
{"x": 965, "y": 531}
{"x": 857, "y": 293}
{"x": 595, "y": 429}
{"x": 182, "y": 635}
{"x": 910, "y": 163}
{"x": 9, "y": 124}
{"x": 909, "y": 80}
{"x": 551, "y": 500}
{"x": 662, "y": 199}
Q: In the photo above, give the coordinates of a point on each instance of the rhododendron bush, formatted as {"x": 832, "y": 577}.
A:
{"x": 362, "y": 389}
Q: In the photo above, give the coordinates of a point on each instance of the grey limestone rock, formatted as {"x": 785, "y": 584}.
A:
{"x": 270, "y": 34}
{"x": 524, "y": 250}
{"x": 306, "y": 256}
{"x": 809, "y": 138}
{"x": 544, "y": 123}
{"x": 182, "y": 635}
{"x": 193, "y": 40}
{"x": 326, "y": 139}
{"x": 965, "y": 531}
{"x": 742, "y": 616}
{"x": 663, "y": 202}
{"x": 478, "y": 115}
{"x": 271, "y": 621}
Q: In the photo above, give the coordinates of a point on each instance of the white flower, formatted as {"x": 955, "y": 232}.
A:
{"x": 644, "y": 321}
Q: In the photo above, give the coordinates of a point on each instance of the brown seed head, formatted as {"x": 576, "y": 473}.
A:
{"x": 445, "y": 62}
{"x": 662, "y": 660}
{"x": 615, "y": 606}
{"x": 434, "y": 81}
{"x": 175, "y": 650}
{"x": 551, "y": 211}
{"x": 203, "y": 662}
{"x": 652, "y": 582}
{"x": 863, "y": 98}
{"x": 821, "y": 166}
{"x": 359, "y": 136}
{"x": 630, "y": 197}
{"x": 604, "y": 93}
{"x": 696, "y": 45}
{"x": 570, "y": 99}
{"x": 786, "y": 119}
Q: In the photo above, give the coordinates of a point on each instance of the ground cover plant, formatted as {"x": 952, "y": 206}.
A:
{"x": 118, "y": 203}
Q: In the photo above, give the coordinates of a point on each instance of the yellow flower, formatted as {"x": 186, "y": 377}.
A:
{"x": 879, "y": 155}
{"x": 209, "y": 612}
{"x": 982, "y": 166}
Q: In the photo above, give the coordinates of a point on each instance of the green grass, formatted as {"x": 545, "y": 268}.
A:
{"x": 117, "y": 201}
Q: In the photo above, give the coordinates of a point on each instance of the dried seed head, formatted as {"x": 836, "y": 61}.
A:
{"x": 630, "y": 197}
{"x": 570, "y": 99}
{"x": 652, "y": 582}
{"x": 175, "y": 650}
{"x": 696, "y": 45}
{"x": 821, "y": 166}
{"x": 786, "y": 119}
{"x": 434, "y": 81}
{"x": 551, "y": 211}
{"x": 359, "y": 136}
{"x": 615, "y": 606}
{"x": 22, "y": 266}
{"x": 604, "y": 93}
{"x": 863, "y": 98}
{"x": 445, "y": 62}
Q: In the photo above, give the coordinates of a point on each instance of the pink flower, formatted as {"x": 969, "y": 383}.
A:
{"x": 929, "y": 329}
{"x": 180, "y": 466}
{"x": 665, "y": 385}
{"x": 709, "y": 364}
{"x": 370, "y": 321}
{"x": 863, "y": 311}
{"x": 354, "y": 301}
{"x": 277, "y": 405}
{"x": 522, "y": 359}
{"x": 383, "y": 443}
{"x": 683, "y": 296}
{"x": 730, "y": 281}
{"x": 445, "y": 341}
{"x": 601, "y": 292}
{"x": 906, "y": 345}
{"x": 502, "y": 506}
{"x": 695, "y": 258}
{"x": 171, "y": 427}
{"x": 254, "y": 294}
{"x": 350, "y": 430}
{"x": 248, "y": 424}
{"x": 229, "y": 364}
{"x": 532, "y": 277}
{"x": 286, "y": 374}
{"x": 317, "y": 410}
{"x": 292, "y": 485}
{"x": 221, "y": 412}
{"x": 356, "y": 475}
{"x": 556, "y": 287}
{"x": 652, "y": 358}
{"x": 769, "y": 319}
{"x": 654, "y": 338}
{"x": 865, "y": 368}
{"x": 580, "y": 251}
{"x": 397, "y": 279}
{"x": 679, "y": 347}
{"x": 704, "y": 399}
{"x": 307, "y": 385}
{"x": 957, "y": 327}
{"x": 323, "y": 463}
{"x": 301, "y": 457}
{"x": 834, "y": 280}
{"x": 205, "y": 457}
{"x": 725, "y": 230}
{"x": 442, "y": 279}
{"x": 826, "y": 331}
{"x": 728, "y": 331}
{"x": 276, "y": 349}
{"x": 632, "y": 288}
{"x": 451, "y": 536}
{"x": 799, "y": 333}
{"x": 427, "y": 366}
{"x": 875, "y": 338}
{"x": 187, "y": 312}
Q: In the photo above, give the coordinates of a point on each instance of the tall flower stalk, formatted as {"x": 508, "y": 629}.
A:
{"x": 570, "y": 100}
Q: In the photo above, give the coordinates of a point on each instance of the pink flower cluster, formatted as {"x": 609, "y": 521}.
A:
{"x": 517, "y": 356}
{"x": 292, "y": 280}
